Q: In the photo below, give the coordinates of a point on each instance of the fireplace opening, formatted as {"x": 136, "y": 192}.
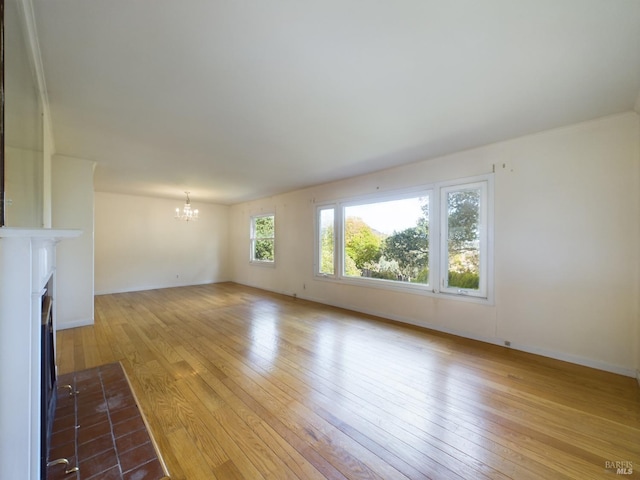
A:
{"x": 48, "y": 381}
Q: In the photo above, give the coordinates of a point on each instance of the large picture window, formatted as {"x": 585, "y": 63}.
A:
{"x": 263, "y": 238}
{"x": 434, "y": 240}
{"x": 388, "y": 240}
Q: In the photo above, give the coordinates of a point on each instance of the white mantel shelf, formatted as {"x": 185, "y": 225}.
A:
{"x": 27, "y": 271}
{"x": 44, "y": 233}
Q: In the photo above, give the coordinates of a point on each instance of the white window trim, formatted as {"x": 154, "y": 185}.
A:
{"x": 252, "y": 240}
{"x": 436, "y": 265}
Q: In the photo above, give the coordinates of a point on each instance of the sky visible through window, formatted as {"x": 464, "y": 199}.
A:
{"x": 387, "y": 217}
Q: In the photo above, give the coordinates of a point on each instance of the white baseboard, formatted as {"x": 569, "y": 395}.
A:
{"x": 142, "y": 288}
{"x": 565, "y": 357}
{"x": 578, "y": 360}
{"x": 83, "y": 322}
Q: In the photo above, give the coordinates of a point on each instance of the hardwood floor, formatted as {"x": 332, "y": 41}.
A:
{"x": 237, "y": 383}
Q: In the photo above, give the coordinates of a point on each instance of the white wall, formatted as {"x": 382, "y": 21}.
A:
{"x": 23, "y": 185}
{"x": 140, "y": 246}
{"x": 567, "y": 209}
{"x": 72, "y": 207}
{"x": 572, "y": 204}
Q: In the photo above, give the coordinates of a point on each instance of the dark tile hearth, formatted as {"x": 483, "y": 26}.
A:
{"x": 100, "y": 429}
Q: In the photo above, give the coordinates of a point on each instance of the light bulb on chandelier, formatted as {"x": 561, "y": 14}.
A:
{"x": 187, "y": 213}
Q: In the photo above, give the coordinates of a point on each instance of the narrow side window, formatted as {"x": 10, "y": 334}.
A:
{"x": 326, "y": 241}
{"x": 464, "y": 232}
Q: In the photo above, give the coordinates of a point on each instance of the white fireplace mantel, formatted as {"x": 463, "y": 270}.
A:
{"x": 27, "y": 268}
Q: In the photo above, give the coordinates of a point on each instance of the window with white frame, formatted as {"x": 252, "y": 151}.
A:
{"x": 263, "y": 238}
{"x": 434, "y": 240}
{"x": 464, "y": 239}
{"x": 326, "y": 250}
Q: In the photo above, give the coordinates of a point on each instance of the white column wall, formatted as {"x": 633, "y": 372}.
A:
{"x": 72, "y": 207}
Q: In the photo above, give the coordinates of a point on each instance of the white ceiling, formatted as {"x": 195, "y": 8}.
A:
{"x": 235, "y": 100}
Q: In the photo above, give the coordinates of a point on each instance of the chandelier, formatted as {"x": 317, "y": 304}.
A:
{"x": 187, "y": 213}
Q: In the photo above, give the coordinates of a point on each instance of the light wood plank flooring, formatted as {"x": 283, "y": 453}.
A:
{"x": 237, "y": 383}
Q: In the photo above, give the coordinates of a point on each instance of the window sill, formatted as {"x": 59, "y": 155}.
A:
{"x": 260, "y": 263}
{"x": 404, "y": 287}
